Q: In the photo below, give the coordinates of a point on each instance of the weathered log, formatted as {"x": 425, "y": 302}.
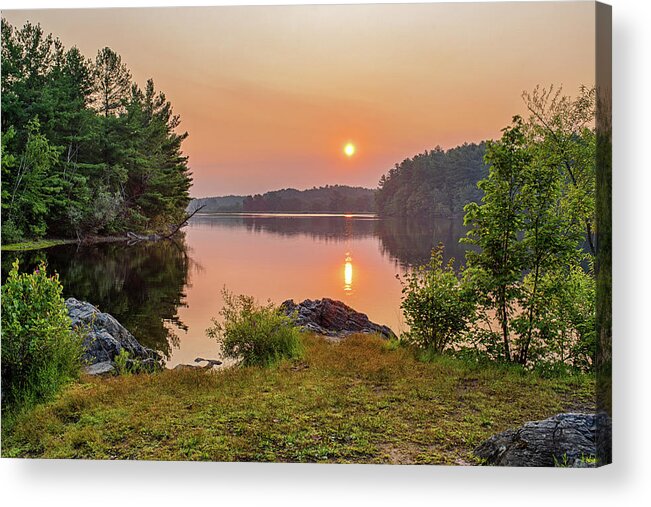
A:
{"x": 136, "y": 238}
{"x": 210, "y": 362}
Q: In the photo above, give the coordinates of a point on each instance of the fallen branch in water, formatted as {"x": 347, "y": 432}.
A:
{"x": 136, "y": 238}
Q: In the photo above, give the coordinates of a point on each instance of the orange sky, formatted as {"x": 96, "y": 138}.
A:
{"x": 270, "y": 95}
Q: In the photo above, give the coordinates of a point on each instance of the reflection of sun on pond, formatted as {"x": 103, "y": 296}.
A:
{"x": 348, "y": 274}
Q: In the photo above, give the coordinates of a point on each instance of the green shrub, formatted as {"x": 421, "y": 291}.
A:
{"x": 437, "y": 304}
{"x": 258, "y": 335}
{"x": 40, "y": 352}
{"x": 10, "y": 233}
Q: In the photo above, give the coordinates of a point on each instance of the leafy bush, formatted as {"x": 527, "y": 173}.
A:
{"x": 564, "y": 334}
{"x": 437, "y": 304}
{"x": 258, "y": 335}
{"x": 10, "y": 232}
{"x": 40, "y": 352}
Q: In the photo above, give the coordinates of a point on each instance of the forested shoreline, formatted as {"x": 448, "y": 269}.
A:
{"x": 325, "y": 199}
{"x": 435, "y": 183}
{"x": 85, "y": 150}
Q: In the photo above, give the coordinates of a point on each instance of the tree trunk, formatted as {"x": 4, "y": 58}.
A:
{"x": 505, "y": 324}
{"x": 524, "y": 352}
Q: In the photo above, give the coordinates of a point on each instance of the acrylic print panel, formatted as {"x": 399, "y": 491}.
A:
{"x": 318, "y": 233}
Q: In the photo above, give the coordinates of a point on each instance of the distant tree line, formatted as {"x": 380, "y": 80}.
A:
{"x": 327, "y": 199}
{"x": 223, "y": 204}
{"x": 85, "y": 150}
{"x": 435, "y": 183}
{"x": 330, "y": 198}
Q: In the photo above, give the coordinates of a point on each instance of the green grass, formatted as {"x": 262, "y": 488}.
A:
{"x": 35, "y": 245}
{"x": 358, "y": 401}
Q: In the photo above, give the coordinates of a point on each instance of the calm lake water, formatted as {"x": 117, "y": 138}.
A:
{"x": 166, "y": 293}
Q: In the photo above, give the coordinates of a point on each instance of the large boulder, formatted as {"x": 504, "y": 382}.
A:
{"x": 105, "y": 338}
{"x": 562, "y": 440}
{"x": 332, "y": 318}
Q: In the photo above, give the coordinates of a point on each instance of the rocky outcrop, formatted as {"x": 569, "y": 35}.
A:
{"x": 105, "y": 338}
{"x": 562, "y": 440}
{"x": 332, "y": 318}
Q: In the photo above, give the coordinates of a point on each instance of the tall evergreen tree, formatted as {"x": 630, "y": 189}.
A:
{"x": 84, "y": 152}
{"x": 112, "y": 82}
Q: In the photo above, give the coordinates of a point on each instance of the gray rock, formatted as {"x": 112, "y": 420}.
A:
{"x": 103, "y": 368}
{"x": 562, "y": 440}
{"x": 332, "y": 318}
{"x": 105, "y": 337}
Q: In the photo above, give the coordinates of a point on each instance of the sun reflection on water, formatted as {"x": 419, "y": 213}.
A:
{"x": 348, "y": 274}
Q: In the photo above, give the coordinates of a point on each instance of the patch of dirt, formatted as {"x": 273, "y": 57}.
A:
{"x": 468, "y": 383}
{"x": 580, "y": 406}
{"x": 464, "y": 462}
{"x": 399, "y": 455}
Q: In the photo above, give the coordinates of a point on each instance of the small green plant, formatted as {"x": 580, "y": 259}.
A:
{"x": 126, "y": 365}
{"x": 392, "y": 344}
{"x": 40, "y": 352}
{"x": 563, "y": 462}
{"x": 437, "y": 304}
{"x": 258, "y": 335}
{"x": 121, "y": 362}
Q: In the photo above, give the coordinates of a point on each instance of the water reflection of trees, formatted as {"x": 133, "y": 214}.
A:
{"x": 409, "y": 241}
{"x": 329, "y": 228}
{"x": 142, "y": 285}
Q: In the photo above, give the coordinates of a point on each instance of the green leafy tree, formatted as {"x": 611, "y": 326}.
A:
{"x": 438, "y": 305}
{"x": 496, "y": 226}
{"x": 40, "y": 352}
{"x": 550, "y": 238}
{"x": 34, "y": 188}
{"x": 564, "y": 127}
{"x": 530, "y": 228}
{"x": 564, "y": 330}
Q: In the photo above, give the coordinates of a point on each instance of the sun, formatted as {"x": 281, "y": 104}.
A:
{"x": 349, "y": 149}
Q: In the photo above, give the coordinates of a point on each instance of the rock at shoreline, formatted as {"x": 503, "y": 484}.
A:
{"x": 562, "y": 440}
{"x": 103, "y": 368}
{"x": 332, "y": 318}
{"x": 105, "y": 338}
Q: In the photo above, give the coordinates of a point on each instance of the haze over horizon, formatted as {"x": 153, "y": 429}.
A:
{"x": 270, "y": 95}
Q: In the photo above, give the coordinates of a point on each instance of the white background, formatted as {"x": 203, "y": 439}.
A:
{"x": 626, "y": 482}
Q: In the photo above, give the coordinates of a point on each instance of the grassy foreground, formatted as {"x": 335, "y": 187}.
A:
{"x": 357, "y": 401}
{"x": 35, "y": 245}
